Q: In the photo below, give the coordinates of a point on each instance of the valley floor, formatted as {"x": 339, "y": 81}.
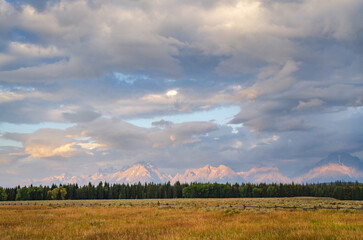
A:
{"x": 182, "y": 219}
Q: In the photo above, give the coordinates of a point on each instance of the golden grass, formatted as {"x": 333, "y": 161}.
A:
{"x": 190, "y": 219}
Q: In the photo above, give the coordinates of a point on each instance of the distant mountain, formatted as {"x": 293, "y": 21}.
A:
{"x": 208, "y": 174}
{"x": 337, "y": 166}
{"x": 224, "y": 174}
{"x": 63, "y": 178}
{"x": 266, "y": 175}
{"x": 138, "y": 173}
{"x": 342, "y": 159}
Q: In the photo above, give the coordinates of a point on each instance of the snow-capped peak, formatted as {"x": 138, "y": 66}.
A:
{"x": 335, "y": 167}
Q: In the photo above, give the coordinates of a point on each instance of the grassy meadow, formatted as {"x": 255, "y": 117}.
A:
{"x": 181, "y": 219}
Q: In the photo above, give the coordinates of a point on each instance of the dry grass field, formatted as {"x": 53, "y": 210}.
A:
{"x": 180, "y": 219}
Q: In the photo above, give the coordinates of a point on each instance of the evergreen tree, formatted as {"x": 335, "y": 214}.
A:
{"x": 22, "y": 194}
{"x": 3, "y": 195}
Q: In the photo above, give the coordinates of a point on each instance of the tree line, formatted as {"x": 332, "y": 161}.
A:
{"x": 339, "y": 190}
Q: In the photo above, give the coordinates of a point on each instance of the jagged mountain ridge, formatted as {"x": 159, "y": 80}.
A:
{"x": 136, "y": 173}
{"x": 342, "y": 159}
{"x": 208, "y": 173}
{"x": 339, "y": 166}
{"x": 224, "y": 174}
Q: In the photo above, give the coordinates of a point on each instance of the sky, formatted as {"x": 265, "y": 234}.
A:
{"x": 88, "y": 85}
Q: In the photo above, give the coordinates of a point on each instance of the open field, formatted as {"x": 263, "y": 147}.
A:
{"x": 181, "y": 219}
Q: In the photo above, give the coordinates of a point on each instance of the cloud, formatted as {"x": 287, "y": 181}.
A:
{"x": 103, "y": 134}
{"x": 274, "y": 43}
{"x": 81, "y": 116}
{"x": 94, "y": 39}
{"x": 115, "y": 133}
{"x": 171, "y": 93}
{"x": 280, "y": 82}
{"x": 162, "y": 123}
{"x": 309, "y": 104}
{"x": 121, "y": 135}
{"x": 181, "y": 133}
{"x": 9, "y": 155}
{"x": 95, "y": 34}
{"x": 293, "y": 67}
{"x": 19, "y": 93}
{"x": 46, "y": 143}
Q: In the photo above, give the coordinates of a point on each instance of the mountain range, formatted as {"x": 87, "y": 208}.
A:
{"x": 337, "y": 166}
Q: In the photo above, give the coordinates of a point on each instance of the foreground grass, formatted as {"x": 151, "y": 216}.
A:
{"x": 189, "y": 219}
